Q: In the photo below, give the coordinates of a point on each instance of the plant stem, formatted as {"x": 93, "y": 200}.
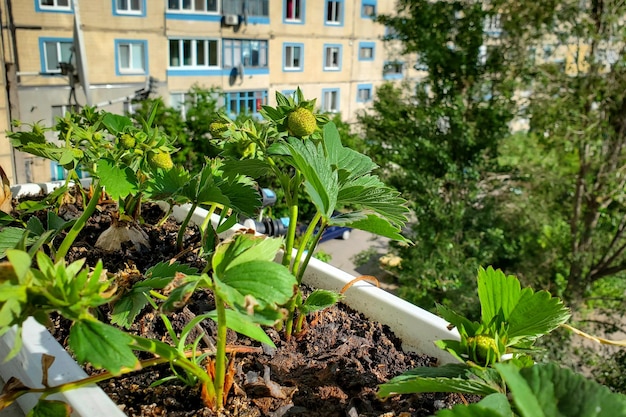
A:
{"x": 220, "y": 352}
{"x": 183, "y": 226}
{"x": 94, "y": 379}
{"x": 310, "y": 230}
{"x": 291, "y": 234}
{"x": 207, "y": 219}
{"x": 80, "y": 222}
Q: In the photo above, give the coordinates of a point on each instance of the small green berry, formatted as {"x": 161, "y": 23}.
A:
{"x": 161, "y": 160}
{"x": 301, "y": 122}
{"x": 484, "y": 348}
{"x": 127, "y": 141}
{"x": 217, "y": 128}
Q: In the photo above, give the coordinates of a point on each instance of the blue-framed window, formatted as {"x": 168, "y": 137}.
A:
{"x": 250, "y": 53}
{"x": 247, "y": 8}
{"x": 367, "y": 51}
{"x": 393, "y": 70}
{"x": 57, "y": 6}
{"x": 330, "y": 100}
{"x": 334, "y": 10}
{"x": 129, "y": 8}
{"x": 293, "y": 11}
{"x": 197, "y": 6}
{"x": 364, "y": 93}
{"x": 249, "y": 102}
{"x": 131, "y": 57}
{"x": 293, "y": 56}
{"x": 368, "y": 9}
{"x": 53, "y": 51}
{"x": 288, "y": 93}
{"x": 332, "y": 57}
{"x": 193, "y": 53}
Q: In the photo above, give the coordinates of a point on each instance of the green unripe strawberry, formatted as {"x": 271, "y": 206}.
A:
{"x": 161, "y": 160}
{"x": 127, "y": 141}
{"x": 301, "y": 122}
{"x": 484, "y": 349}
{"x": 217, "y": 128}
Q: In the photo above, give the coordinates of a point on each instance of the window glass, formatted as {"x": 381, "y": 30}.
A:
{"x": 56, "y": 52}
{"x": 293, "y": 11}
{"x": 333, "y": 11}
{"x": 331, "y": 60}
{"x": 366, "y": 52}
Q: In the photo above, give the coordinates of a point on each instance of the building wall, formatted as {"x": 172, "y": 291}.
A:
{"x": 40, "y": 94}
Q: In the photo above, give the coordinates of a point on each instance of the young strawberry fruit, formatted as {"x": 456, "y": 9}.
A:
{"x": 127, "y": 141}
{"x": 484, "y": 349}
{"x": 161, "y": 160}
{"x": 301, "y": 122}
{"x": 217, "y": 128}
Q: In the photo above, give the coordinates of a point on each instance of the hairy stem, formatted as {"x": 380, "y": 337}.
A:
{"x": 183, "y": 226}
{"x": 80, "y": 222}
{"x": 220, "y": 353}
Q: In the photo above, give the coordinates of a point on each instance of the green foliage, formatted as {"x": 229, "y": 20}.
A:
{"x": 333, "y": 178}
{"x": 512, "y": 319}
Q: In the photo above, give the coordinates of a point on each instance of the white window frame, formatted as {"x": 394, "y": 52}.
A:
{"x": 182, "y": 102}
{"x": 55, "y": 5}
{"x": 194, "y": 53}
{"x": 332, "y": 58}
{"x": 330, "y": 101}
{"x": 180, "y": 6}
{"x": 335, "y": 11}
{"x": 298, "y": 5}
{"x": 289, "y": 60}
{"x": 237, "y": 52}
{"x": 59, "y": 55}
{"x": 129, "y": 9}
{"x": 133, "y": 68}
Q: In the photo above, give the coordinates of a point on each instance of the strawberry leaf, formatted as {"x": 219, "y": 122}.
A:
{"x": 102, "y": 345}
{"x": 118, "y": 182}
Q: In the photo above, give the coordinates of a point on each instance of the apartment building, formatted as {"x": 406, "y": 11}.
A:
{"x": 63, "y": 53}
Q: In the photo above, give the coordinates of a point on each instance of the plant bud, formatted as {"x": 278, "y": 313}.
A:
{"x": 161, "y": 160}
{"x": 217, "y": 128}
{"x": 127, "y": 141}
{"x": 301, "y": 122}
{"x": 484, "y": 349}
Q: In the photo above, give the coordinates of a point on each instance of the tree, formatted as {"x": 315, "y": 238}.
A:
{"x": 578, "y": 108}
{"x": 436, "y": 141}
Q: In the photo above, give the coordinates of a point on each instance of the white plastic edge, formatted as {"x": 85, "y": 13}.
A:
{"x": 89, "y": 401}
{"x": 417, "y": 328}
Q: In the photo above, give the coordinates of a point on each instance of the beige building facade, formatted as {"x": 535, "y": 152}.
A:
{"x": 63, "y": 53}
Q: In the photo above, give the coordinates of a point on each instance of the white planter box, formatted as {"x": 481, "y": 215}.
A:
{"x": 417, "y": 328}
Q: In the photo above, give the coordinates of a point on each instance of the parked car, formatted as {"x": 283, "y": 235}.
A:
{"x": 336, "y": 232}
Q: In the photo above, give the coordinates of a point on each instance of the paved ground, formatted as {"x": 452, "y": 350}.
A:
{"x": 343, "y": 253}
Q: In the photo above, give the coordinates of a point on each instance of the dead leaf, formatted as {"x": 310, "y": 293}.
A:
{"x": 46, "y": 363}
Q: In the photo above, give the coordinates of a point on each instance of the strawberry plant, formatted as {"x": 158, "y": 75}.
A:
{"x": 130, "y": 161}
{"x": 243, "y": 278}
{"x": 495, "y": 361}
{"x": 336, "y": 179}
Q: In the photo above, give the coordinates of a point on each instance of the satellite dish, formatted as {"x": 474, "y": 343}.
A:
{"x": 240, "y": 72}
{"x": 80, "y": 54}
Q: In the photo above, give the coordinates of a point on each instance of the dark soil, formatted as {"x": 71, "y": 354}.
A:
{"x": 333, "y": 369}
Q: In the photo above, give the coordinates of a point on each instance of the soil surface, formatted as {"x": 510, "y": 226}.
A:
{"x": 332, "y": 369}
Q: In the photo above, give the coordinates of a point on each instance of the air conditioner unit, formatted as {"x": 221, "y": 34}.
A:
{"x": 231, "y": 19}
